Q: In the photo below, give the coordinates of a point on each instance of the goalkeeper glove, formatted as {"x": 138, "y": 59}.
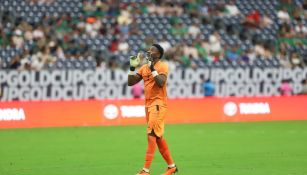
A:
{"x": 134, "y": 62}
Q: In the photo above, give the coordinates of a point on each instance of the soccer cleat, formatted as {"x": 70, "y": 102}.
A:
{"x": 142, "y": 172}
{"x": 170, "y": 171}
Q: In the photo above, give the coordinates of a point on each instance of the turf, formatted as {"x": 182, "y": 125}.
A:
{"x": 261, "y": 148}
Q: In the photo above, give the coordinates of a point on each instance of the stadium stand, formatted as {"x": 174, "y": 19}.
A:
{"x": 86, "y": 34}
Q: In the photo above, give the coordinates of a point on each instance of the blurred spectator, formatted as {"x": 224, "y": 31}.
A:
{"x": 268, "y": 50}
{"x": 137, "y": 91}
{"x": 286, "y": 31}
{"x": 301, "y": 30}
{"x": 172, "y": 63}
{"x": 29, "y": 34}
{"x": 233, "y": 53}
{"x": 304, "y": 91}
{"x": 204, "y": 10}
{"x": 266, "y": 21}
{"x": 38, "y": 33}
{"x": 191, "y": 8}
{"x": 283, "y": 15}
{"x": 124, "y": 18}
{"x": 92, "y": 26}
{"x": 57, "y": 51}
{"x": 37, "y": 61}
{"x": 114, "y": 29}
{"x": 219, "y": 9}
{"x": 165, "y": 44}
{"x": 144, "y": 7}
{"x": 112, "y": 63}
{"x": 190, "y": 50}
{"x": 179, "y": 29}
{"x": 3, "y": 38}
{"x": 18, "y": 40}
{"x": 174, "y": 19}
{"x": 253, "y": 19}
{"x": 215, "y": 45}
{"x": 287, "y": 5}
{"x": 259, "y": 50}
{"x": 194, "y": 30}
{"x": 285, "y": 88}
{"x": 296, "y": 60}
{"x": 101, "y": 60}
{"x": 88, "y": 7}
{"x": 25, "y": 60}
{"x": 202, "y": 52}
{"x": 248, "y": 56}
{"x": 114, "y": 45}
{"x": 15, "y": 63}
{"x": 174, "y": 54}
{"x": 232, "y": 9}
{"x": 113, "y": 9}
{"x": 185, "y": 61}
{"x": 284, "y": 57}
{"x": 123, "y": 46}
{"x": 165, "y": 8}
{"x": 134, "y": 29}
{"x": 298, "y": 13}
{"x": 43, "y": 57}
{"x": 208, "y": 88}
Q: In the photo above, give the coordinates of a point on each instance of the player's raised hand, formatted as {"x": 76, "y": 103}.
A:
{"x": 151, "y": 65}
{"x": 134, "y": 61}
{"x": 150, "y": 62}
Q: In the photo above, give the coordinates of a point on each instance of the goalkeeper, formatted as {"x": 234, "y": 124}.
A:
{"x": 154, "y": 74}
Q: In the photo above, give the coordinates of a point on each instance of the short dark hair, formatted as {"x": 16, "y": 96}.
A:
{"x": 160, "y": 49}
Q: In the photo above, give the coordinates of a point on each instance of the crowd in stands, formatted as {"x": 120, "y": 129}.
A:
{"x": 38, "y": 34}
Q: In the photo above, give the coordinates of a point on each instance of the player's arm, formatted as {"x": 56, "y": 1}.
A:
{"x": 160, "y": 79}
{"x": 132, "y": 77}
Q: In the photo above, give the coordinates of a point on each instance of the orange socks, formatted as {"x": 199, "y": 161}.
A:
{"x": 163, "y": 148}
{"x": 151, "y": 148}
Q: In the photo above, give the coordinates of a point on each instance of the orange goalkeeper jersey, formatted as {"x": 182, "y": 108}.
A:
{"x": 154, "y": 95}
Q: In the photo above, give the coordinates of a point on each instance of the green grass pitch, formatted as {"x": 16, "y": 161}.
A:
{"x": 260, "y": 148}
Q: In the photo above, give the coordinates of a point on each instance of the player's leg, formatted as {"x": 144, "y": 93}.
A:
{"x": 151, "y": 148}
{"x": 162, "y": 144}
{"x": 151, "y": 143}
{"x": 165, "y": 152}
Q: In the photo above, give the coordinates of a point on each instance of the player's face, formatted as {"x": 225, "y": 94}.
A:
{"x": 153, "y": 53}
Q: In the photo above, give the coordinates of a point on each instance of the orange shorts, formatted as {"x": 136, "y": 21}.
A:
{"x": 155, "y": 116}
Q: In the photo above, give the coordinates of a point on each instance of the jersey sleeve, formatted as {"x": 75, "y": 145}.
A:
{"x": 163, "y": 69}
